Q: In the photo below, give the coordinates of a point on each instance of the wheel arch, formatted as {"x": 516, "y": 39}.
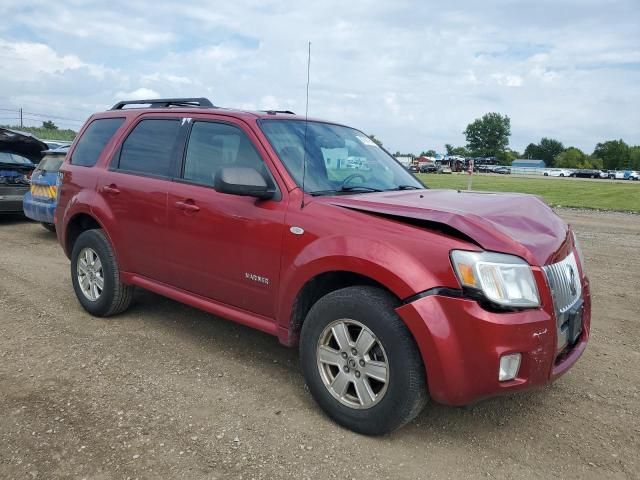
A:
{"x": 79, "y": 223}
{"x": 312, "y": 290}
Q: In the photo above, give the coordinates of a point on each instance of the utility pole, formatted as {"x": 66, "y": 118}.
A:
{"x": 21, "y": 126}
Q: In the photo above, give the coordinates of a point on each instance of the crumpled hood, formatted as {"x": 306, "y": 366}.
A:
{"x": 513, "y": 223}
{"x": 21, "y": 143}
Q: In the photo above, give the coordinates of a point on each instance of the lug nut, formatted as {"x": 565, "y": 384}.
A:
{"x": 354, "y": 351}
{"x": 346, "y": 369}
{"x": 357, "y": 374}
{"x": 361, "y": 363}
{"x": 344, "y": 355}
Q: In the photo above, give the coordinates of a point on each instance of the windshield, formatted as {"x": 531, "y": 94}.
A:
{"x": 50, "y": 163}
{"x": 338, "y": 159}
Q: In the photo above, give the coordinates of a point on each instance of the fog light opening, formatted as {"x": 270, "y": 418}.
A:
{"x": 509, "y": 366}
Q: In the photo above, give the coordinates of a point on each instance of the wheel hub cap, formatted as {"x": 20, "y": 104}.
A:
{"x": 352, "y": 364}
{"x": 90, "y": 274}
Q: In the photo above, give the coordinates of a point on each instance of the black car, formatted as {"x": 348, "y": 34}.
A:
{"x": 585, "y": 173}
{"x": 19, "y": 154}
{"x": 429, "y": 168}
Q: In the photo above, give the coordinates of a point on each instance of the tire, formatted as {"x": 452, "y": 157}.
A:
{"x": 398, "y": 400}
{"x": 562, "y": 174}
{"x": 49, "y": 226}
{"x": 115, "y": 297}
{"x": 546, "y": 174}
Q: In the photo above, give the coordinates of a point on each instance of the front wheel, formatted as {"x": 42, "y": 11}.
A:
{"x": 361, "y": 363}
{"x": 96, "y": 276}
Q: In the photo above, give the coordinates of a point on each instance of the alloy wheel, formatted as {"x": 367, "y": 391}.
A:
{"x": 353, "y": 364}
{"x": 90, "y": 274}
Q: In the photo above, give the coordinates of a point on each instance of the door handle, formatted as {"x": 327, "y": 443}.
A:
{"x": 110, "y": 189}
{"x": 187, "y": 206}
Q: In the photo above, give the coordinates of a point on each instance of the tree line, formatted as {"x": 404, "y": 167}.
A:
{"x": 488, "y": 136}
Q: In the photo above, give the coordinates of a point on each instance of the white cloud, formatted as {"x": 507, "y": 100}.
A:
{"x": 412, "y": 73}
{"x": 507, "y": 80}
{"x": 137, "y": 94}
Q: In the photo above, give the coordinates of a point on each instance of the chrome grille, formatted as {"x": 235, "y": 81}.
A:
{"x": 565, "y": 284}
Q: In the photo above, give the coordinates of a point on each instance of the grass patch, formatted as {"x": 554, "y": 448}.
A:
{"x": 45, "y": 133}
{"x": 623, "y": 196}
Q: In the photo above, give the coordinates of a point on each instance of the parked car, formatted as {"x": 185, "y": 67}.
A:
{"x": 502, "y": 170}
{"x": 429, "y": 168}
{"x": 39, "y": 203}
{"x": 444, "y": 169}
{"x": 483, "y": 168}
{"x": 626, "y": 175}
{"x": 585, "y": 173}
{"x": 237, "y": 213}
{"x": 414, "y": 169}
{"x": 557, "y": 172}
{"x": 20, "y": 152}
{"x": 55, "y": 144}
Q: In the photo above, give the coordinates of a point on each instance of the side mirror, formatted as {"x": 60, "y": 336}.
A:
{"x": 242, "y": 181}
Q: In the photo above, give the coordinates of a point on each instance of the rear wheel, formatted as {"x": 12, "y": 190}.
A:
{"x": 49, "y": 226}
{"x": 96, "y": 277}
{"x": 361, "y": 363}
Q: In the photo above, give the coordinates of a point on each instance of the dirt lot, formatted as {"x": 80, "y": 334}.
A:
{"x": 166, "y": 391}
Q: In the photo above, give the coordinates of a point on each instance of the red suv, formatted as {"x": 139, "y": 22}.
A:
{"x": 310, "y": 231}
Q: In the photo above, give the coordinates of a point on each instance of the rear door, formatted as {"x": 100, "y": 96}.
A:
{"x": 135, "y": 189}
{"x": 225, "y": 247}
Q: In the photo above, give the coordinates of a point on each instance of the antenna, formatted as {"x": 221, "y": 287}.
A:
{"x": 306, "y": 123}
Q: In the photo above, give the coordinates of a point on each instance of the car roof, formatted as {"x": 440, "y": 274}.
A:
{"x": 186, "y": 106}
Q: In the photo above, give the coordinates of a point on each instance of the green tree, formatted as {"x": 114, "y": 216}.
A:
{"x": 634, "y": 153}
{"x": 548, "y": 149}
{"x": 572, "y": 157}
{"x": 49, "y": 125}
{"x": 460, "y": 151}
{"x": 489, "y": 135}
{"x": 378, "y": 142}
{"x": 428, "y": 153}
{"x": 615, "y": 154}
{"x": 507, "y": 156}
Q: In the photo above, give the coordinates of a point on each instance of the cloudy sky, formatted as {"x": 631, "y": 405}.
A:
{"x": 414, "y": 73}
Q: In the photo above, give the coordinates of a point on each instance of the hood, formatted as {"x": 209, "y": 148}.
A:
{"x": 513, "y": 223}
{"x": 21, "y": 143}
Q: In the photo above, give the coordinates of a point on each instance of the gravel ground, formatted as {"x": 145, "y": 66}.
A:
{"x": 167, "y": 391}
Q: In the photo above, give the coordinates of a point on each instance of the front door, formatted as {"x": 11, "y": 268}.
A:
{"x": 224, "y": 247}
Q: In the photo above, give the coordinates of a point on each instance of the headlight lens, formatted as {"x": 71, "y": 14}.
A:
{"x": 503, "y": 279}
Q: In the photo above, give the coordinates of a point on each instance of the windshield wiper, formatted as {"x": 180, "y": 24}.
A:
{"x": 353, "y": 188}
{"x": 404, "y": 187}
{"x": 345, "y": 189}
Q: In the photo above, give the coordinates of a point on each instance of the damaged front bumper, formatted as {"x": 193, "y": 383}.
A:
{"x": 461, "y": 344}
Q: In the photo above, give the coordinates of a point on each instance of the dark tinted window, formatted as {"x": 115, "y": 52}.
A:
{"x": 93, "y": 141}
{"x": 149, "y": 147}
{"x": 216, "y": 145}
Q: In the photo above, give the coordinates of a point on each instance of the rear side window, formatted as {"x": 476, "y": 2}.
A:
{"x": 149, "y": 147}
{"x": 93, "y": 141}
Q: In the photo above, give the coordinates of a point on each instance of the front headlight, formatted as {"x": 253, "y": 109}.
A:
{"x": 503, "y": 279}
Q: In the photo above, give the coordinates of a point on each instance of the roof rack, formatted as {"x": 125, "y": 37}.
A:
{"x": 273, "y": 112}
{"x": 167, "y": 102}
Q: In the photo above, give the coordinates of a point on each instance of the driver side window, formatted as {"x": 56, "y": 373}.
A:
{"x": 213, "y": 146}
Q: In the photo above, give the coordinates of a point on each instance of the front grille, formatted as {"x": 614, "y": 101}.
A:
{"x": 566, "y": 289}
{"x": 564, "y": 281}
